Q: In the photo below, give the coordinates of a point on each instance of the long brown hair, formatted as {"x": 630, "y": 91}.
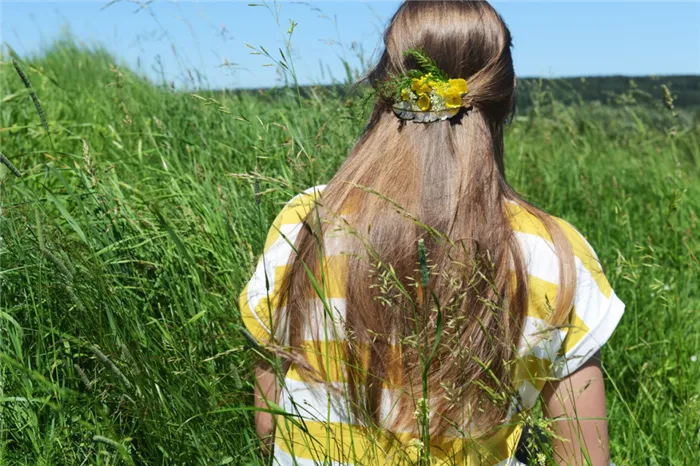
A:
{"x": 443, "y": 183}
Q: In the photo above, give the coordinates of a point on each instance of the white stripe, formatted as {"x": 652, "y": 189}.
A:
{"x": 336, "y": 238}
{"x": 510, "y": 462}
{"x": 313, "y": 401}
{"x": 543, "y": 342}
{"x": 528, "y": 394}
{"x": 325, "y": 325}
{"x": 318, "y": 188}
{"x": 542, "y": 262}
{"x": 540, "y": 339}
{"x": 540, "y": 257}
{"x": 276, "y": 255}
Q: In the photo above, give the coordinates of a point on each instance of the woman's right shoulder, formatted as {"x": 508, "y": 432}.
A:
{"x": 596, "y": 309}
{"x": 541, "y": 257}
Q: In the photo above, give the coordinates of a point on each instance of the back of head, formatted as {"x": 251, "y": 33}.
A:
{"x": 443, "y": 183}
{"x": 467, "y": 39}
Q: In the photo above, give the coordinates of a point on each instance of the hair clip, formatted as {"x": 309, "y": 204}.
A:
{"x": 427, "y": 94}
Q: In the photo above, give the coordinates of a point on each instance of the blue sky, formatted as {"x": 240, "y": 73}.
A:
{"x": 551, "y": 38}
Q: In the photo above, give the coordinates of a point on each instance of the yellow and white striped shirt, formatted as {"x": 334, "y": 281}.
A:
{"x": 320, "y": 429}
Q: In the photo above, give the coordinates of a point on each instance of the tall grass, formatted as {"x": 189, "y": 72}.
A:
{"x": 131, "y": 231}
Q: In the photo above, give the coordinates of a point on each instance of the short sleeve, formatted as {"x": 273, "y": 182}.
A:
{"x": 259, "y": 300}
{"x": 596, "y": 309}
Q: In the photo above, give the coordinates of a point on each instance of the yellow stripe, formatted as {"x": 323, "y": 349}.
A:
{"x": 329, "y": 355}
{"x": 577, "y": 330}
{"x": 325, "y": 359}
{"x": 335, "y": 275}
{"x": 264, "y": 312}
{"x": 333, "y": 280}
{"x": 533, "y": 370}
{"x": 258, "y": 332}
{"x": 331, "y": 441}
{"x": 325, "y": 442}
{"x": 523, "y": 221}
{"x": 585, "y": 253}
{"x": 326, "y": 362}
{"x": 541, "y": 297}
{"x": 292, "y": 213}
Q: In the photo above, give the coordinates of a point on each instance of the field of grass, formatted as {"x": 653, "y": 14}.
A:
{"x": 140, "y": 211}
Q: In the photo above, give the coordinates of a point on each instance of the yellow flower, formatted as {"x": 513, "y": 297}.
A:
{"x": 459, "y": 85}
{"x": 440, "y": 87}
{"x": 453, "y": 99}
{"x": 404, "y": 94}
{"x": 421, "y": 85}
{"x": 415, "y": 84}
{"x": 424, "y": 102}
{"x": 434, "y": 84}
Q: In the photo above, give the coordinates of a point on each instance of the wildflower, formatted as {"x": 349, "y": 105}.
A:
{"x": 421, "y": 85}
{"x": 424, "y": 102}
{"x": 435, "y": 84}
{"x": 453, "y": 99}
{"x": 458, "y": 85}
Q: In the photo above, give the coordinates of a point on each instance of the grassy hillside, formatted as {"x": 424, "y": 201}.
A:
{"x": 134, "y": 224}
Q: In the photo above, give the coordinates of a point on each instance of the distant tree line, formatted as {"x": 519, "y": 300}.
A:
{"x": 608, "y": 90}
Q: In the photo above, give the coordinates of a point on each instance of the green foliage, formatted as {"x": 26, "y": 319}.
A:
{"x": 391, "y": 89}
{"x": 425, "y": 64}
{"x": 134, "y": 226}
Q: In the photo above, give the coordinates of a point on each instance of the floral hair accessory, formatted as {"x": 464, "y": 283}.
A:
{"x": 427, "y": 94}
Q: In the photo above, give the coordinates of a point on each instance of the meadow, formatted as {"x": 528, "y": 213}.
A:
{"x": 133, "y": 213}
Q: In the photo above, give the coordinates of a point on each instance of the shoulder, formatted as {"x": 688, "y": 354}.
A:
{"x": 299, "y": 206}
{"x": 535, "y": 239}
{"x": 532, "y": 228}
{"x": 525, "y": 222}
{"x": 304, "y": 199}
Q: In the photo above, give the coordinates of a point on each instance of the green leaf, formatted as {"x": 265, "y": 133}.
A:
{"x": 67, "y": 216}
{"x": 426, "y": 64}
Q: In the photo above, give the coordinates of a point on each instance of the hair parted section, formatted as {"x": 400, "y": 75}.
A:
{"x": 443, "y": 183}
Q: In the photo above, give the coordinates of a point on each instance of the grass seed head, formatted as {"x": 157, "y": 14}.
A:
{"x": 32, "y": 94}
{"x": 5, "y": 161}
